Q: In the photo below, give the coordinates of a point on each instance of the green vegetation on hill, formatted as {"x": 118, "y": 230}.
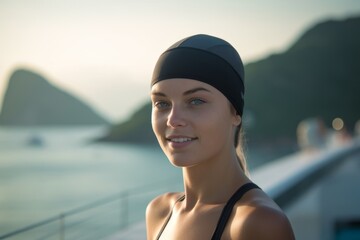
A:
{"x": 136, "y": 130}
{"x": 318, "y": 76}
{"x": 31, "y": 100}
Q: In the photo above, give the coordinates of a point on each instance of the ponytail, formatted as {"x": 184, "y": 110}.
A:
{"x": 239, "y": 141}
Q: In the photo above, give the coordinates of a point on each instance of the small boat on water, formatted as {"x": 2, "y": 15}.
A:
{"x": 35, "y": 140}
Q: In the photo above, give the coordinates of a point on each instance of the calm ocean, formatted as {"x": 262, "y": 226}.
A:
{"x": 46, "y": 171}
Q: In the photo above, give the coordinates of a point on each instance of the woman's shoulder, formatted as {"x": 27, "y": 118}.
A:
{"x": 162, "y": 205}
{"x": 158, "y": 210}
{"x": 259, "y": 217}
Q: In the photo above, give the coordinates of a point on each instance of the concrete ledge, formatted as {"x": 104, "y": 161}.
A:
{"x": 285, "y": 179}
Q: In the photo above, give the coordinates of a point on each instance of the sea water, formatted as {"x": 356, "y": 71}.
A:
{"x": 46, "y": 171}
{"x": 62, "y": 170}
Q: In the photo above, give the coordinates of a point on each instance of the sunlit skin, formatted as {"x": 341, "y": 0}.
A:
{"x": 193, "y": 110}
{"x": 195, "y": 126}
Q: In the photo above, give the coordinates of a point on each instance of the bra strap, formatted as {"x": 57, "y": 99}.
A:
{"x": 226, "y": 212}
{"x": 169, "y": 216}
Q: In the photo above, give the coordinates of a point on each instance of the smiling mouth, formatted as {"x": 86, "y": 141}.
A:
{"x": 180, "y": 139}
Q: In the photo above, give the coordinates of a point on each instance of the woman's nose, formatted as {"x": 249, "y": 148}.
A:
{"x": 176, "y": 118}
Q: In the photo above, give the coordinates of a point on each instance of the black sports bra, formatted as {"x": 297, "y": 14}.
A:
{"x": 225, "y": 214}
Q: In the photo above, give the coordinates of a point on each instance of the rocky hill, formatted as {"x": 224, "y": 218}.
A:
{"x": 30, "y": 100}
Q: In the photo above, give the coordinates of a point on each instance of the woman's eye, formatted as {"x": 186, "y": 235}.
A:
{"x": 196, "y": 101}
{"x": 161, "y": 104}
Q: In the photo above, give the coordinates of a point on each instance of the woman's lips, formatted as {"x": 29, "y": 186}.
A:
{"x": 180, "y": 141}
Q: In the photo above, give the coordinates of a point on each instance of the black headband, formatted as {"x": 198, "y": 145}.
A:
{"x": 205, "y": 66}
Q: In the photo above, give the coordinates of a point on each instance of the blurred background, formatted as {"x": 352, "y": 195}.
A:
{"x": 76, "y": 145}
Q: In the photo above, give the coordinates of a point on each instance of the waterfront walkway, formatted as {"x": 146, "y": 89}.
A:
{"x": 315, "y": 214}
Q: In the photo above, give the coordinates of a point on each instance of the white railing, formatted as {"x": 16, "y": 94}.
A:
{"x": 96, "y": 220}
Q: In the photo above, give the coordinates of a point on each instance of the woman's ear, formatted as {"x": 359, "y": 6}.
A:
{"x": 236, "y": 117}
{"x": 237, "y": 120}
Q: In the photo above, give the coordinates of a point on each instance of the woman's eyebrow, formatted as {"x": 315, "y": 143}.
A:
{"x": 160, "y": 94}
{"x": 191, "y": 91}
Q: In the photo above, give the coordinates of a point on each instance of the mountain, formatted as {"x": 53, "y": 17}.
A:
{"x": 135, "y": 130}
{"x": 318, "y": 76}
{"x": 30, "y": 100}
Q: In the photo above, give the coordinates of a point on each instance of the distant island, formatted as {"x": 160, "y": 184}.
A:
{"x": 318, "y": 76}
{"x": 30, "y": 100}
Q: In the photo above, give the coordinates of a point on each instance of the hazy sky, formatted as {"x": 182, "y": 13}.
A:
{"x": 104, "y": 51}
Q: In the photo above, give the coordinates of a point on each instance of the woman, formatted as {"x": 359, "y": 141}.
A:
{"x": 197, "y": 94}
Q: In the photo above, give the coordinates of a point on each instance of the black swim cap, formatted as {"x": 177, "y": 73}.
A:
{"x": 207, "y": 59}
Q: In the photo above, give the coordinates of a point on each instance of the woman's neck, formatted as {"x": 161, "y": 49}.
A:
{"x": 212, "y": 182}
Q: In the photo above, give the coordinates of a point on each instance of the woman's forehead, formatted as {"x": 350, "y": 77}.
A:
{"x": 184, "y": 87}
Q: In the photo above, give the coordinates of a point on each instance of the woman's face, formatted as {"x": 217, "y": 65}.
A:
{"x": 192, "y": 121}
